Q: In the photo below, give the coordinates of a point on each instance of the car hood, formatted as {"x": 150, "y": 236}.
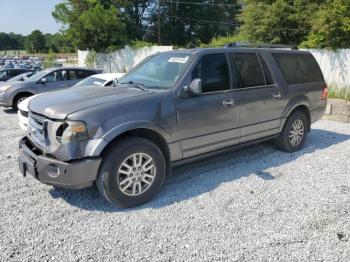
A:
{"x": 59, "y": 104}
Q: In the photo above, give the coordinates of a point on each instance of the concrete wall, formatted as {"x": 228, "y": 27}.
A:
{"x": 122, "y": 60}
{"x": 335, "y": 66}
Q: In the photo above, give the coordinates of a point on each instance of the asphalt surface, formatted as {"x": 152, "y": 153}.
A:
{"x": 257, "y": 204}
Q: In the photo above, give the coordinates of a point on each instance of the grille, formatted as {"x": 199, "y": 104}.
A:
{"x": 36, "y": 129}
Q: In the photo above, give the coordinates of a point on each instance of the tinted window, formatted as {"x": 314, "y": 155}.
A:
{"x": 249, "y": 70}
{"x": 84, "y": 73}
{"x": 72, "y": 75}
{"x": 298, "y": 69}
{"x": 214, "y": 73}
{"x": 267, "y": 73}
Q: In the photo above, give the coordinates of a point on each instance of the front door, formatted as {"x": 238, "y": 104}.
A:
{"x": 261, "y": 99}
{"x": 209, "y": 121}
{"x": 56, "y": 80}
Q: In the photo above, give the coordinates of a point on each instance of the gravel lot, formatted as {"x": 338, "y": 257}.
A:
{"x": 257, "y": 204}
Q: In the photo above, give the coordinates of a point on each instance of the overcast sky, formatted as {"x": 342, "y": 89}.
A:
{"x": 24, "y": 16}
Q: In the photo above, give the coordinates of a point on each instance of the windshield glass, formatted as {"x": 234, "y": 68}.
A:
{"x": 91, "y": 80}
{"x": 39, "y": 75}
{"x": 160, "y": 71}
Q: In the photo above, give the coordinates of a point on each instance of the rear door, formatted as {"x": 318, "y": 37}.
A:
{"x": 260, "y": 97}
{"x": 209, "y": 121}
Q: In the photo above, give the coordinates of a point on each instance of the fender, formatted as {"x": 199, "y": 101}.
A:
{"x": 120, "y": 129}
{"x": 300, "y": 100}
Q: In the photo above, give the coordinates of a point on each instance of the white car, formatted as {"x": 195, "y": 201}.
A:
{"x": 94, "y": 80}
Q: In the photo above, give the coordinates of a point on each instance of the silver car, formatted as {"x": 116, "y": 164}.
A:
{"x": 47, "y": 80}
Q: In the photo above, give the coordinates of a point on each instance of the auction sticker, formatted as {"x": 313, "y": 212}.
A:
{"x": 178, "y": 59}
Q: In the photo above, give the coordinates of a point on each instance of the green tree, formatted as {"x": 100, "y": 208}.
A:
{"x": 50, "y": 60}
{"x": 35, "y": 42}
{"x": 330, "y": 26}
{"x": 281, "y": 21}
{"x": 91, "y": 24}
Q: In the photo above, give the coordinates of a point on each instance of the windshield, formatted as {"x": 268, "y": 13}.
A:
{"x": 91, "y": 80}
{"x": 39, "y": 75}
{"x": 160, "y": 71}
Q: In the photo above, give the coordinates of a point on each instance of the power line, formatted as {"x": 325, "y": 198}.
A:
{"x": 233, "y": 24}
{"x": 239, "y": 5}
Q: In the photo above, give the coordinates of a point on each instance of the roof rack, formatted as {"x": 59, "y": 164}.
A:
{"x": 255, "y": 45}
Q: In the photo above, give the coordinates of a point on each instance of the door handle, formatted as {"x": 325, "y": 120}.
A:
{"x": 64, "y": 85}
{"x": 277, "y": 95}
{"x": 228, "y": 102}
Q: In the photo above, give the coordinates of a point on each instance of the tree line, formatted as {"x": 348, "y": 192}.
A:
{"x": 36, "y": 42}
{"x": 105, "y": 25}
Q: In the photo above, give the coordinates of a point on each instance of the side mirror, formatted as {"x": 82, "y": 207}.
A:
{"x": 195, "y": 88}
{"x": 43, "y": 80}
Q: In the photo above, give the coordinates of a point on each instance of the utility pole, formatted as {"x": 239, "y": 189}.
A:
{"x": 158, "y": 16}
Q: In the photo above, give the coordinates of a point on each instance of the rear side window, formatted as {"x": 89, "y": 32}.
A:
{"x": 249, "y": 70}
{"x": 72, "y": 75}
{"x": 84, "y": 73}
{"x": 213, "y": 71}
{"x": 299, "y": 68}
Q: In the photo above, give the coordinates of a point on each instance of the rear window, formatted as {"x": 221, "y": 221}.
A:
{"x": 299, "y": 68}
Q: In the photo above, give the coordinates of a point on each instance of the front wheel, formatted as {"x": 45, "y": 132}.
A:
{"x": 132, "y": 172}
{"x": 294, "y": 133}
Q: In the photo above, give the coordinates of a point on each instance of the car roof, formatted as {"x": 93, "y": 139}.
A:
{"x": 70, "y": 68}
{"x": 108, "y": 76}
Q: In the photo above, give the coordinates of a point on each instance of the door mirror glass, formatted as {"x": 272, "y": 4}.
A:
{"x": 195, "y": 88}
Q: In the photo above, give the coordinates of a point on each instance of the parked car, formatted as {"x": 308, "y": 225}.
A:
{"x": 94, "y": 80}
{"x": 173, "y": 108}
{"x": 100, "y": 79}
{"x": 6, "y": 74}
{"x": 20, "y": 77}
{"x": 44, "y": 81}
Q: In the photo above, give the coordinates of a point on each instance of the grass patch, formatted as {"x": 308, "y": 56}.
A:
{"x": 339, "y": 92}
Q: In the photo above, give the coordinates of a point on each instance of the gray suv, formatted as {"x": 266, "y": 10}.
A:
{"x": 172, "y": 108}
{"x": 52, "y": 79}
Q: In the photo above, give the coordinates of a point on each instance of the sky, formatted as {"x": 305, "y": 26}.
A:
{"x": 25, "y": 16}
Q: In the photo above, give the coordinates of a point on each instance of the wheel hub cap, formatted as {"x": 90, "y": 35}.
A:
{"x": 296, "y": 133}
{"x": 136, "y": 174}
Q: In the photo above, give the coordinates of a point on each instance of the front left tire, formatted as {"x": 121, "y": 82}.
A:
{"x": 132, "y": 172}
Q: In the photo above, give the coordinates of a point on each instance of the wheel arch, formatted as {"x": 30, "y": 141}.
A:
{"x": 19, "y": 94}
{"x": 304, "y": 108}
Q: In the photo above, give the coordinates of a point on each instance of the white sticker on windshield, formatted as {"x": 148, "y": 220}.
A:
{"x": 179, "y": 59}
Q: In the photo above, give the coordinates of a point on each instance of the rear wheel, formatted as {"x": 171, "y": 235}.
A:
{"x": 132, "y": 172}
{"x": 294, "y": 133}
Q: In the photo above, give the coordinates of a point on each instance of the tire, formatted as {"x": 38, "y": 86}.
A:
{"x": 285, "y": 140}
{"x": 114, "y": 172}
{"x": 18, "y": 99}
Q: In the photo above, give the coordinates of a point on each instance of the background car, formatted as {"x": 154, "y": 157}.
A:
{"x": 94, "y": 80}
{"x": 6, "y": 74}
{"x": 48, "y": 80}
{"x": 20, "y": 77}
{"x": 100, "y": 79}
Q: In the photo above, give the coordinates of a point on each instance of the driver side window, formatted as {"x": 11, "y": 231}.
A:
{"x": 214, "y": 72}
{"x": 60, "y": 75}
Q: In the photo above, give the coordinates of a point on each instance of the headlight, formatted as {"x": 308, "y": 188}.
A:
{"x": 3, "y": 89}
{"x": 70, "y": 131}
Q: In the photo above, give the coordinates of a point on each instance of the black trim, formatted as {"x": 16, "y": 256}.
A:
{"x": 220, "y": 151}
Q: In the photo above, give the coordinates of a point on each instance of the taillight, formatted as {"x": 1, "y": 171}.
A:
{"x": 324, "y": 94}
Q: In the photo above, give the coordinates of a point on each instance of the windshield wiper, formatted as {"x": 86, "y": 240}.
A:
{"x": 137, "y": 85}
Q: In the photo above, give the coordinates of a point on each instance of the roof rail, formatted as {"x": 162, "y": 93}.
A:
{"x": 255, "y": 45}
